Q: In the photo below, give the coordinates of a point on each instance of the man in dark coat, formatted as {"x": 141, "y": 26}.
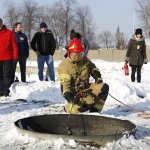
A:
{"x": 8, "y": 53}
{"x": 23, "y": 48}
{"x": 84, "y": 42}
{"x": 136, "y": 54}
{"x": 43, "y": 43}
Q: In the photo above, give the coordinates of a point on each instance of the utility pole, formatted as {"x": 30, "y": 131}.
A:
{"x": 133, "y": 21}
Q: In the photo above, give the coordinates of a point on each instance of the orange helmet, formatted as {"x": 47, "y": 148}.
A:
{"x": 75, "y": 46}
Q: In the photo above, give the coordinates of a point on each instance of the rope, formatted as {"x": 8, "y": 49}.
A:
{"x": 131, "y": 108}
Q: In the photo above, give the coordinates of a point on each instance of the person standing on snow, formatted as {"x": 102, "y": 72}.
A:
{"x": 45, "y": 50}
{"x": 136, "y": 54}
{"x": 23, "y": 47}
{"x": 74, "y": 72}
{"x": 8, "y": 54}
{"x": 85, "y": 43}
{"x": 83, "y": 40}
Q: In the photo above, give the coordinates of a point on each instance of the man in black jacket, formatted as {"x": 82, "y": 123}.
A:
{"x": 43, "y": 43}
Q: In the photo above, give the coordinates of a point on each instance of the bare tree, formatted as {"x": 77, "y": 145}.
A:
{"x": 85, "y": 25}
{"x": 55, "y": 18}
{"x": 30, "y": 14}
{"x": 106, "y": 39}
{"x": 84, "y": 19}
{"x": 11, "y": 15}
{"x": 144, "y": 14}
{"x": 120, "y": 42}
{"x": 68, "y": 6}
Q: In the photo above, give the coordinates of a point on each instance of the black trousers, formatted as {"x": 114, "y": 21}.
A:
{"x": 135, "y": 69}
{"x": 22, "y": 63}
{"x": 5, "y": 76}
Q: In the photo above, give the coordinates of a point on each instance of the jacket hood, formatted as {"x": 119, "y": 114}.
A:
{"x": 136, "y": 39}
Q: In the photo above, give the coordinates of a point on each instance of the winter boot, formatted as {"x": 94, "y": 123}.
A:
{"x": 16, "y": 80}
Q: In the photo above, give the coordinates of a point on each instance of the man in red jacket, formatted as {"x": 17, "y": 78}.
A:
{"x": 8, "y": 54}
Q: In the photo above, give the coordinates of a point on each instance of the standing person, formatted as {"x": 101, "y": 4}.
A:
{"x": 23, "y": 48}
{"x": 75, "y": 71}
{"x": 8, "y": 54}
{"x": 85, "y": 43}
{"x": 136, "y": 54}
{"x": 45, "y": 50}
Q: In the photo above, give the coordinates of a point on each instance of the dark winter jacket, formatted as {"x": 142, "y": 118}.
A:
{"x": 22, "y": 43}
{"x": 44, "y": 43}
{"x": 136, "y": 52}
{"x": 86, "y": 45}
{"x": 8, "y": 45}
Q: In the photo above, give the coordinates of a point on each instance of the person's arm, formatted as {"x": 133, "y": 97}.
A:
{"x": 53, "y": 44}
{"x": 129, "y": 46}
{"x": 14, "y": 47}
{"x": 26, "y": 46}
{"x": 95, "y": 73}
{"x": 144, "y": 53}
{"x": 87, "y": 46}
{"x": 65, "y": 83}
{"x": 33, "y": 42}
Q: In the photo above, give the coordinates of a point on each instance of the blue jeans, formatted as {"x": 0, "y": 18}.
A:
{"x": 49, "y": 61}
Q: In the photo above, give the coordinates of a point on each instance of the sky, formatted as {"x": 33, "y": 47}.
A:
{"x": 107, "y": 14}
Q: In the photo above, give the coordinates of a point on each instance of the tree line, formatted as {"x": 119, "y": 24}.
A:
{"x": 64, "y": 15}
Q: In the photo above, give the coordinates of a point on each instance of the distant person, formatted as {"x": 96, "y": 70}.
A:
{"x": 23, "y": 48}
{"x": 83, "y": 40}
{"x": 43, "y": 43}
{"x": 136, "y": 54}
{"x": 8, "y": 54}
{"x": 85, "y": 43}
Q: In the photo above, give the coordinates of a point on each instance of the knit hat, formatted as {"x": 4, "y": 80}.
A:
{"x": 138, "y": 31}
{"x": 72, "y": 31}
{"x": 72, "y": 34}
{"x": 43, "y": 25}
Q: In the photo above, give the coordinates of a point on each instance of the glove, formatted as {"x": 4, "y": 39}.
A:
{"x": 71, "y": 98}
{"x": 99, "y": 80}
{"x": 145, "y": 61}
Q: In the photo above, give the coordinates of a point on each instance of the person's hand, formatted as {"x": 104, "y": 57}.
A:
{"x": 145, "y": 61}
{"x": 38, "y": 53}
{"x": 99, "y": 80}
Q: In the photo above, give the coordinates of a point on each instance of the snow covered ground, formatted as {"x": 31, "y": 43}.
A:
{"x": 45, "y": 98}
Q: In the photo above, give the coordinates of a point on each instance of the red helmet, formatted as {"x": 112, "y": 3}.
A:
{"x": 75, "y": 46}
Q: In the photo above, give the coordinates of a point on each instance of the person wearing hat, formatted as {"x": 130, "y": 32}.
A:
{"x": 8, "y": 54}
{"x": 74, "y": 73}
{"x": 136, "y": 54}
{"x": 84, "y": 41}
{"x": 44, "y": 45}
